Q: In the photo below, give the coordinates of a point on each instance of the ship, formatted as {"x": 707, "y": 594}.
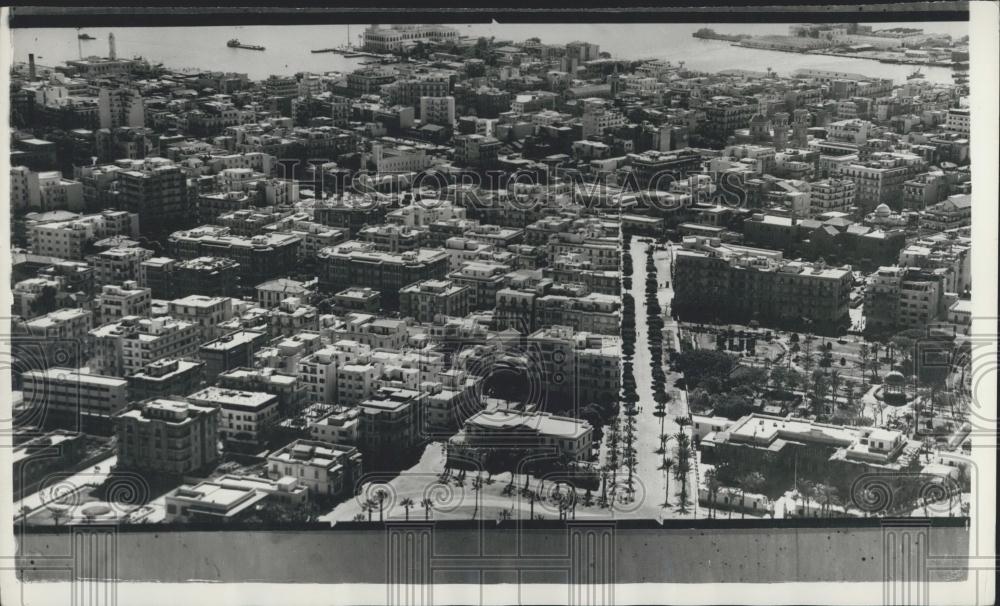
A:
{"x": 234, "y": 43}
{"x": 916, "y": 75}
{"x": 706, "y": 33}
{"x": 86, "y": 37}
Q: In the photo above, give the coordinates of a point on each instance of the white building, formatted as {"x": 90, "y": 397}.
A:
{"x": 324, "y": 468}
{"x": 244, "y": 416}
{"x": 438, "y": 110}
{"x": 117, "y": 302}
{"x": 68, "y": 391}
{"x": 43, "y": 190}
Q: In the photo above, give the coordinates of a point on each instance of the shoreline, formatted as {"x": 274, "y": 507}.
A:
{"x": 901, "y": 61}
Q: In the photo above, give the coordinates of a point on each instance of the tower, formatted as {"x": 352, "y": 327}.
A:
{"x": 800, "y": 124}
{"x": 758, "y": 127}
{"x": 780, "y": 125}
{"x": 111, "y": 47}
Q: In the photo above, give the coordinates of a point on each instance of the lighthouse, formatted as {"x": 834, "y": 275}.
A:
{"x": 111, "y": 47}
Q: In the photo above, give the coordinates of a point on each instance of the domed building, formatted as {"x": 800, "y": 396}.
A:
{"x": 884, "y": 217}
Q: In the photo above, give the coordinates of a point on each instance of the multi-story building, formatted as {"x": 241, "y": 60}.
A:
{"x": 119, "y": 264}
{"x": 158, "y": 194}
{"x": 79, "y": 397}
{"x": 723, "y": 115}
{"x": 599, "y": 116}
{"x": 67, "y": 235}
{"x": 477, "y": 151}
{"x": 337, "y": 425}
{"x": 579, "y": 367}
{"x": 483, "y": 280}
{"x": 277, "y": 86}
{"x": 958, "y": 121}
{"x": 424, "y": 300}
{"x": 165, "y": 377}
{"x": 120, "y": 107}
{"x": 950, "y": 252}
{"x": 390, "y": 421}
{"x": 569, "y": 437}
{"x": 591, "y": 312}
{"x": 359, "y": 299}
{"x": 360, "y": 264}
{"x": 831, "y": 195}
{"x": 207, "y": 313}
{"x": 157, "y": 274}
{"x": 61, "y": 325}
{"x": 394, "y": 238}
{"x": 271, "y": 293}
{"x": 204, "y": 276}
{"x": 397, "y": 37}
{"x": 260, "y": 258}
{"x": 245, "y": 417}
{"x": 211, "y": 206}
{"x": 715, "y": 281}
{"x": 167, "y": 436}
{"x": 876, "y": 183}
{"x": 369, "y": 81}
{"x": 319, "y": 370}
{"x": 769, "y": 442}
{"x": 410, "y": 91}
{"x": 898, "y": 298}
{"x": 126, "y": 347}
{"x": 229, "y": 351}
{"x": 954, "y": 212}
{"x": 286, "y": 387}
{"x": 654, "y": 169}
{"x": 43, "y": 191}
{"x": 325, "y": 469}
{"x": 438, "y": 110}
{"x": 117, "y": 302}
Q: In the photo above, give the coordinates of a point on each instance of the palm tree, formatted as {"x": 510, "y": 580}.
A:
{"x": 875, "y": 361}
{"x": 864, "y": 352}
{"x": 807, "y": 489}
{"x": 406, "y": 504}
{"x": 380, "y": 498}
{"x": 828, "y": 494}
{"x": 681, "y": 471}
{"x": 713, "y": 485}
{"x": 427, "y": 504}
{"x": 834, "y": 387}
{"x": 532, "y": 497}
{"x": 665, "y": 466}
{"x": 477, "y": 485}
{"x": 604, "y": 484}
{"x": 369, "y": 506}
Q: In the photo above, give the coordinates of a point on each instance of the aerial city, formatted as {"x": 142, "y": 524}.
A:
{"x": 485, "y": 278}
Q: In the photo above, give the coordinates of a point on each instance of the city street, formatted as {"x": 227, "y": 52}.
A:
{"x": 650, "y": 480}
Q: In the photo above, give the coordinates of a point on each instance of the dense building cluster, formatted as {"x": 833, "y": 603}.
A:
{"x": 276, "y": 286}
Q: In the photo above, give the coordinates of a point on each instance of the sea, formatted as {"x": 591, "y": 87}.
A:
{"x": 288, "y": 46}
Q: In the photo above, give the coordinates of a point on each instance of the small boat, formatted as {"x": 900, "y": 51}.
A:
{"x": 234, "y": 43}
{"x": 86, "y": 37}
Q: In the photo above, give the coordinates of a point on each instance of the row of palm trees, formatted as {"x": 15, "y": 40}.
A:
{"x": 751, "y": 482}
{"x": 681, "y": 467}
{"x": 377, "y": 503}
